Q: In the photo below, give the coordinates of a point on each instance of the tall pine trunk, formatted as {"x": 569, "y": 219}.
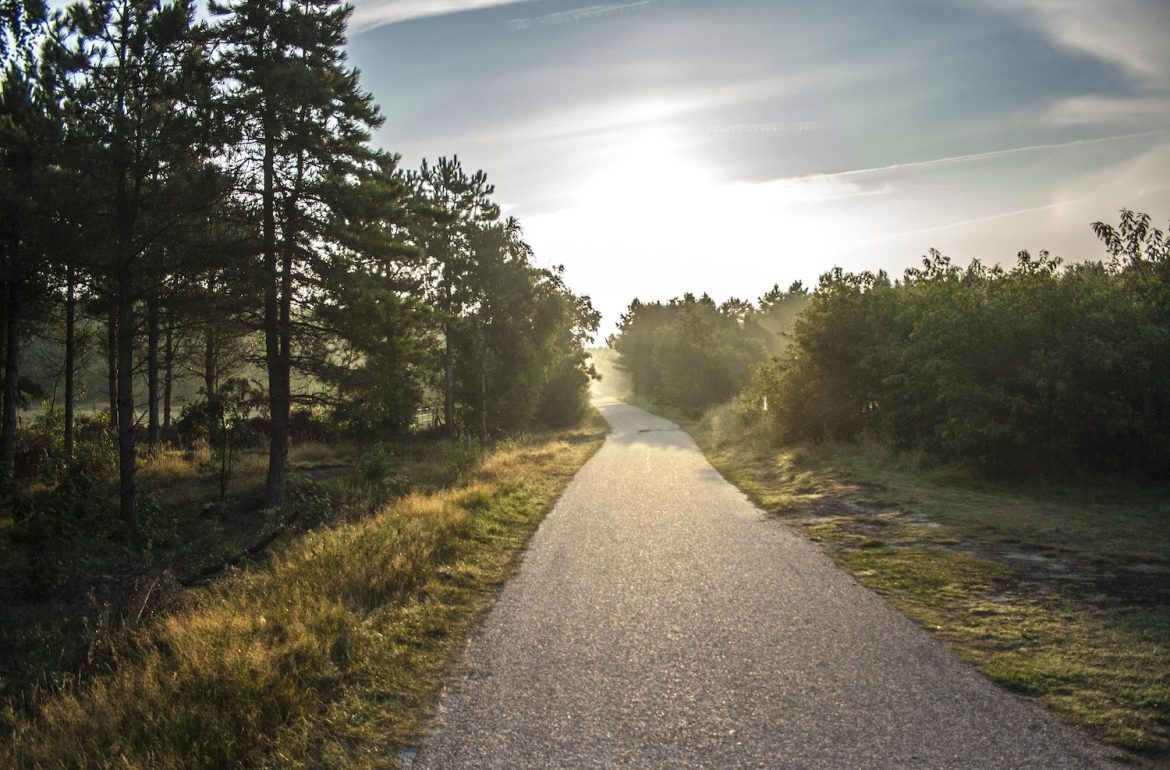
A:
{"x": 278, "y": 395}
{"x": 112, "y": 361}
{"x": 212, "y": 348}
{"x": 70, "y": 358}
{"x": 449, "y": 384}
{"x": 168, "y": 369}
{"x": 282, "y": 428}
{"x": 11, "y": 378}
{"x": 211, "y": 381}
{"x": 449, "y": 361}
{"x": 127, "y": 462}
{"x": 152, "y": 373}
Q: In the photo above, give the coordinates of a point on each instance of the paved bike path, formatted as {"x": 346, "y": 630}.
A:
{"x": 660, "y": 620}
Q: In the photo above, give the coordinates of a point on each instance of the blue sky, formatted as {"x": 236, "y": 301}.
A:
{"x": 654, "y": 147}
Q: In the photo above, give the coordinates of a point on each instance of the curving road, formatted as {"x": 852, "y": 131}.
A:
{"x": 659, "y": 620}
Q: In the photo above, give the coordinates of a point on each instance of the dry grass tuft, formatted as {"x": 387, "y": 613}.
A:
{"x": 329, "y": 655}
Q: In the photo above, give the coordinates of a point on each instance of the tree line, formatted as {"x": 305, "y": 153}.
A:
{"x": 691, "y": 353}
{"x": 1041, "y": 367}
{"x": 207, "y": 192}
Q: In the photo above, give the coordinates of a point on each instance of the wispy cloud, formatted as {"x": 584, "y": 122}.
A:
{"x": 733, "y": 239}
{"x": 1113, "y": 111}
{"x": 1130, "y": 33}
{"x": 760, "y": 128}
{"x": 576, "y": 14}
{"x": 375, "y": 13}
{"x": 980, "y": 156}
{"x": 956, "y": 224}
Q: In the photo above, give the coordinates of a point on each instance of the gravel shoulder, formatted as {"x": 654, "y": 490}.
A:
{"x": 660, "y": 620}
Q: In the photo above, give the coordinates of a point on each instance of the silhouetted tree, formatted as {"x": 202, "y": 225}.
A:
{"x": 127, "y": 96}
{"x": 375, "y": 351}
{"x": 304, "y": 123}
{"x": 521, "y": 344}
{"x": 28, "y": 143}
{"x": 453, "y": 206}
{"x": 688, "y": 352}
{"x": 1037, "y": 367}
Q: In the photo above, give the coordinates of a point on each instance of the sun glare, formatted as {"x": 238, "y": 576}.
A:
{"x": 646, "y": 180}
{"x": 655, "y": 200}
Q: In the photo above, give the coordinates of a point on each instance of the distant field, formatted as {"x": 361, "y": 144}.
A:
{"x": 93, "y": 407}
{"x": 43, "y": 363}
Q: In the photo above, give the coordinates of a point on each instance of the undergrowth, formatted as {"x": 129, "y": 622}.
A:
{"x": 327, "y": 654}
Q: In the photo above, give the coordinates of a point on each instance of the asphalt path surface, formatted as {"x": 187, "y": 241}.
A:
{"x": 660, "y": 620}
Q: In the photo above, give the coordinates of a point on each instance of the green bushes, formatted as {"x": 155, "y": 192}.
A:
{"x": 565, "y": 394}
{"x": 522, "y": 358}
{"x": 1036, "y": 367}
{"x": 690, "y": 353}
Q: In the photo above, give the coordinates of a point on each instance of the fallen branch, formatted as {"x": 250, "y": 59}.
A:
{"x": 255, "y": 548}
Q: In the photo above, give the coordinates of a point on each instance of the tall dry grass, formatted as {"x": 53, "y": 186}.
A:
{"x": 326, "y": 656}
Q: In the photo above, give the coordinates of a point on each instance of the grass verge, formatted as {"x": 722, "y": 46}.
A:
{"x": 329, "y": 654}
{"x": 73, "y": 584}
{"x": 1056, "y": 590}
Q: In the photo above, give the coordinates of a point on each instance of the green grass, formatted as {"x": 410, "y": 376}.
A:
{"x": 1057, "y": 589}
{"x": 1109, "y": 521}
{"x": 329, "y": 653}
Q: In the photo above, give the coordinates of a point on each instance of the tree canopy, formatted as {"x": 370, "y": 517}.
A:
{"x": 206, "y": 193}
{"x": 692, "y": 353}
{"x": 1042, "y": 366}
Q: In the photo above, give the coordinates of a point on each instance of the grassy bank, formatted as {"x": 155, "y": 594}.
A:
{"x": 1056, "y": 590}
{"x": 72, "y": 582}
{"x": 327, "y": 654}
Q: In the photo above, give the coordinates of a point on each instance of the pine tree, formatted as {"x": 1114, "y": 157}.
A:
{"x": 454, "y": 207}
{"x": 374, "y": 345}
{"x": 28, "y": 138}
{"x": 127, "y": 96}
{"x": 304, "y": 123}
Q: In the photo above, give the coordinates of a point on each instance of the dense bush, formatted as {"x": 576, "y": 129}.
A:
{"x": 691, "y": 353}
{"x": 1037, "y": 367}
{"x": 40, "y": 447}
{"x": 564, "y": 398}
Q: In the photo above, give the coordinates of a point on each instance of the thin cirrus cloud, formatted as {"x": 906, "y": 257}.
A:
{"x": 1115, "y": 111}
{"x": 368, "y": 14}
{"x": 748, "y": 142}
{"x": 996, "y": 154}
{"x": 985, "y": 205}
{"x": 577, "y": 14}
{"x": 1129, "y": 34}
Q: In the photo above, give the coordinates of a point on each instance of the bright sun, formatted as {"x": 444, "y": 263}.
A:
{"x": 648, "y": 181}
{"x": 655, "y": 196}
{"x": 655, "y": 213}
